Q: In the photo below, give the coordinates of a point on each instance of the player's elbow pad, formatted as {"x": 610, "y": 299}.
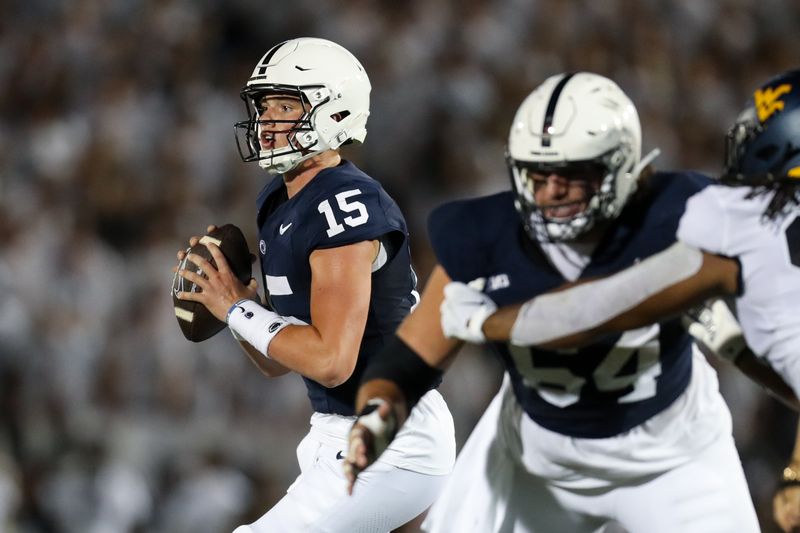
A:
{"x": 398, "y": 363}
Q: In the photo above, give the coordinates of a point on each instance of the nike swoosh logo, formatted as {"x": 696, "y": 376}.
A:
{"x": 283, "y": 228}
{"x": 339, "y": 455}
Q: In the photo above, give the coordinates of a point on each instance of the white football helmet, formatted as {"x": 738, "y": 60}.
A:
{"x": 574, "y": 121}
{"x": 328, "y": 79}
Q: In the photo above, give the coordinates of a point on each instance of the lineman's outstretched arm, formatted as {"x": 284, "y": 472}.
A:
{"x": 397, "y": 377}
{"x": 661, "y": 286}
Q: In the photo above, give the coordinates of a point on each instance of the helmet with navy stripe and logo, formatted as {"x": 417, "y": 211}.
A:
{"x": 763, "y": 146}
{"x": 575, "y": 124}
{"x": 333, "y": 88}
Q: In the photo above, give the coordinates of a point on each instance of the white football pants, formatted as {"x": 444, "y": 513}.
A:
{"x": 384, "y": 498}
{"x": 678, "y": 472}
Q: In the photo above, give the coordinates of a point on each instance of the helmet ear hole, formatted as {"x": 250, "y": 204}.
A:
{"x": 340, "y": 116}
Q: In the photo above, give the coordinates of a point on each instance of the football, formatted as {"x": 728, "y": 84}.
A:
{"x": 196, "y": 322}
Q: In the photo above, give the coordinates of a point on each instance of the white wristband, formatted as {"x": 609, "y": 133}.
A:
{"x": 258, "y": 326}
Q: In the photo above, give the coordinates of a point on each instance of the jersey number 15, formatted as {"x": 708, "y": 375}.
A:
{"x": 334, "y": 227}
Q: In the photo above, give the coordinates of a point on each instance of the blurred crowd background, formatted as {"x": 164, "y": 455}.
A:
{"x": 116, "y": 145}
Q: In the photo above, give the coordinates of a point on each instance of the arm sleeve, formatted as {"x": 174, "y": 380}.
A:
{"x": 564, "y": 313}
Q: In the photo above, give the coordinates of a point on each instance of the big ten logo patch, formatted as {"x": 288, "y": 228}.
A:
{"x": 497, "y": 282}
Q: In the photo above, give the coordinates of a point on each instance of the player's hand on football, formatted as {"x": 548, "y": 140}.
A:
{"x": 219, "y": 286}
{"x": 714, "y": 327}
{"x": 786, "y": 508}
{"x": 463, "y": 312}
{"x": 373, "y": 430}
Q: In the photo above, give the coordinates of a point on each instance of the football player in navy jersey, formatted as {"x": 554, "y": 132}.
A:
{"x": 627, "y": 432}
{"x": 739, "y": 238}
{"x": 337, "y": 274}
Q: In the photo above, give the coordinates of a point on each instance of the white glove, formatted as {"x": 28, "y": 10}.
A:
{"x": 713, "y": 325}
{"x": 464, "y": 310}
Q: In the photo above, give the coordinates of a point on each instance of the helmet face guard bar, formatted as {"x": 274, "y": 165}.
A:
{"x": 786, "y": 188}
{"x": 604, "y": 167}
{"x": 247, "y": 132}
{"x": 737, "y": 140}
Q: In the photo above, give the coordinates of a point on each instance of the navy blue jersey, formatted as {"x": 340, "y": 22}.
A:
{"x": 614, "y": 384}
{"x": 340, "y": 206}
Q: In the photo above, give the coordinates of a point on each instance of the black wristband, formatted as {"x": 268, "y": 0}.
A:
{"x": 397, "y": 362}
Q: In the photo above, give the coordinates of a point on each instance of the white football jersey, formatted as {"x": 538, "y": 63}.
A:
{"x": 723, "y": 220}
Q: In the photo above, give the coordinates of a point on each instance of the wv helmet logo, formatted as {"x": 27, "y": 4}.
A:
{"x": 768, "y": 101}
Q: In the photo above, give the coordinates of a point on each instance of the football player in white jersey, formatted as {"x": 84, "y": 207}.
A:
{"x": 336, "y": 266}
{"x": 629, "y": 431}
{"x": 740, "y": 238}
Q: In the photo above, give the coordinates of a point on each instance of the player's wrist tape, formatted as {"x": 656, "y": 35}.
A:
{"x": 383, "y": 431}
{"x": 256, "y": 325}
{"x": 560, "y": 314}
{"x": 398, "y": 363}
{"x": 713, "y": 325}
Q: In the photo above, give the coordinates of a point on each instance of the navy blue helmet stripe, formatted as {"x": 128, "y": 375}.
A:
{"x": 267, "y": 57}
{"x": 551, "y": 108}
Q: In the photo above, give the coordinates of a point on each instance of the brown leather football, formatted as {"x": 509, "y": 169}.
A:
{"x": 196, "y": 322}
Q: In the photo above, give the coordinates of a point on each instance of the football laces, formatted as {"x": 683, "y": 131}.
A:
{"x": 178, "y": 281}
